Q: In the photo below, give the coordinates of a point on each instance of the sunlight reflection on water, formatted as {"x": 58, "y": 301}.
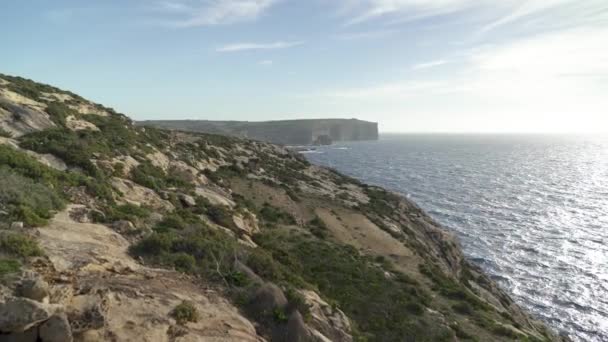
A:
{"x": 531, "y": 210}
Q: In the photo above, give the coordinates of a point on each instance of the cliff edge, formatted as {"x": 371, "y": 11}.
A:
{"x": 114, "y": 232}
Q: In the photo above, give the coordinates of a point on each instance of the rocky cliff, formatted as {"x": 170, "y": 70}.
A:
{"x": 288, "y": 132}
{"x": 113, "y": 232}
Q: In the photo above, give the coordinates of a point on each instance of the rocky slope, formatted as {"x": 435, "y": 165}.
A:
{"x": 112, "y": 232}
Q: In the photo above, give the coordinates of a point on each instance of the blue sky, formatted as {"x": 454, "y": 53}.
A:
{"x": 412, "y": 65}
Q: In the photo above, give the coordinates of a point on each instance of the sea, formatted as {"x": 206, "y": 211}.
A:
{"x": 531, "y": 210}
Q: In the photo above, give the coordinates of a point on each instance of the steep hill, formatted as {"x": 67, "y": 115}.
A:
{"x": 286, "y": 132}
{"x": 113, "y": 232}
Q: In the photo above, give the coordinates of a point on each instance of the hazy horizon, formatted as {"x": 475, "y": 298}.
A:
{"x": 436, "y": 66}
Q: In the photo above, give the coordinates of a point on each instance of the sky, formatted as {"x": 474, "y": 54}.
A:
{"x": 411, "y": 65}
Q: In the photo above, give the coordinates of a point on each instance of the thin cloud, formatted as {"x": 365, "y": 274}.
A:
{"x": 257, "y": 46}
{"x": 428, "y": 65}
{"x": 361, "y": 11}
{"x": 193, "y": 13}
{"x": 266, "y": 62}
{"x": 563, "y": 13}
{"x": 364, "y": 35}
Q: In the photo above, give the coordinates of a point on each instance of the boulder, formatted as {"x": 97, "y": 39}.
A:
{"x": 34, "y": 287}
{"x": 187, "y": 200}
{"x": 247, "y": 223}
{"x": 56, "y": 329}
{"x": 17, "y": 225}
{"x": 248, "y": 272}
{"x": 124, "y": 227}
{"x": 20, "y": 314}
{"x": 327, "y": 320}
{"x": 267, "y": 298}
{"x": 30, "y": 335}
{"x": 297, "y": 331}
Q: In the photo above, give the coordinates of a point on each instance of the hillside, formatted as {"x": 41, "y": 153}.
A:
{"x": 286, "y": 132}
{"x": 114, "y": 232}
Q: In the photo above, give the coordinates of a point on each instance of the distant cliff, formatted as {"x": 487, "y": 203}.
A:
{"x": 287, "y": 132}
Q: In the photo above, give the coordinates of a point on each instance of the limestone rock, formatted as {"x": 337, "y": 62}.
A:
{"x": 30, "y": 335}
{"x": 267, "y": 298}
{"x": 17, "y": 225}
{"x": 35, "y": 288}
{"x": 56, "y": 329}
{"x": 124, "y": 227}
{"x": 247, "y": 223}
{"x": 139, "y": 195}
{"x": 297, "y": 331}
{"x": 214, "y": 197}
{"x": 187, "y": 200}
{"x": 79, "y": 125}
{"x": 20, "y": 314}
{"x": 329, "y": 321}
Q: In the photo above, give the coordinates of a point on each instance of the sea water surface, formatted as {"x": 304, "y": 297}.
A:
{"x": 531, "y": 210}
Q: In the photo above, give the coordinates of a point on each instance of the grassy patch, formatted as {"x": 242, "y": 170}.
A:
{"x": 19, "y": 245}
{"x": 22, "y": 199}
{"x": 157, "y": 179}
{"x": 58, "y": 112}
{"x": 273, "y": 215}
{"x": 185, "y": 312}
{"x": 9, "y": 266}
{"x": 318, "y": 228}
{"x": 384, "y": 309}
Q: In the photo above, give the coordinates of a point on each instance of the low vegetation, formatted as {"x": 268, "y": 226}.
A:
{"x": 9, "y": 266}
{"x": 19, "y": 245}
{"x": 185, "y": 312}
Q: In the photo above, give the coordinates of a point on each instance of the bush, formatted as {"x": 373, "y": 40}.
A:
{"x": 24, "y": 200}
{"x": 19, "y": 245}
{"x": 184, "y": 262}
{"x": 384, "y": 309}
{"x": 5, "y": 134}
{"x": 463, "y": 308}
{"x": 8, "y": 266}
{"x": 155, "y": 178}
{"x": 318, "y": 228}
{"x": 221, "y": 215}
{"x": 75, "y": 149}
{"x": 58, "y": 112}
{"x": 185, "y": 312}
{"x": 274, "y": 215}
{"x": 127, "y": 212}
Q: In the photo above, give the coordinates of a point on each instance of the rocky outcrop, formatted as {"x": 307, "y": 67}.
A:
{"x": 102, "y": 293}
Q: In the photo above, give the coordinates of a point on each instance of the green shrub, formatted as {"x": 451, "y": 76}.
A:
{"x": 318, "y": 228}
{"x": 5, "y": 134}
{"x": 274, "y": 215}
{"x": 185, "y": 312}
{"x": 58, "y": 112}
{"x": 184, "y": 262}
{"x": 31, "y": 89}
{"x": 463, "y": 308}
{"x": 384, "y": 309}
{"x": 127, "y": 212}
{"x": 8, "y": 266}
{"x": 75, "y": 149}
{"x": 449, "y": 288}
{"x": 221, "y": 215}
{"x": 155, "y": 178}
{"x": 279, "y": 316}
{"x": 25, "y": 200}
{"x": 19, "y": 245}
